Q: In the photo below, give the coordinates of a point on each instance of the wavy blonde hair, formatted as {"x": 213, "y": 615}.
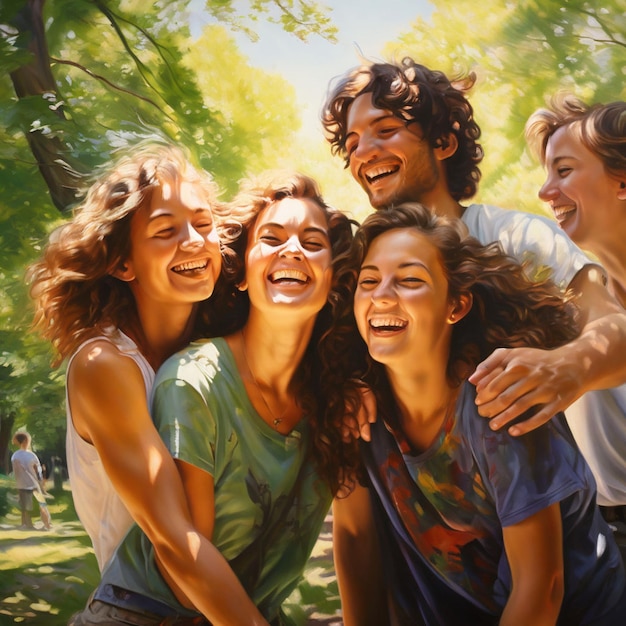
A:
{"x": 601, "y": 128}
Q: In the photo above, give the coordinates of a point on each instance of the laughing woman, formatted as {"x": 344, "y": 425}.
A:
{"x": 474, "y": 526}
{"x": 117, "y": 290}
{"x": 240, "y": 414}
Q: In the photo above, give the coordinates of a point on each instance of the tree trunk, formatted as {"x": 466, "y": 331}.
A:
{"x": 7, "y": 420}
{"x": 60, "y": 171}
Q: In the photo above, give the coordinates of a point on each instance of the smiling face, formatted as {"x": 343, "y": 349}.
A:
{"x": 401, "y": 303}
{"x": 387, "y": 157}
{"x": 175, "y": 254}
{"x": 288, "y": 258}
{"x": 582, "y": 195}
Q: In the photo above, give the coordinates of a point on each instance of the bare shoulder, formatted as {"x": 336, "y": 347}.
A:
{"x": 104, "y": 387}
{"x": 97, "y": 359}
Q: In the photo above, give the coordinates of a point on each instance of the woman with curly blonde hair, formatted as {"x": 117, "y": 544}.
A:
{"x": 118, "y": 289}
{"x": 457, "y": 523}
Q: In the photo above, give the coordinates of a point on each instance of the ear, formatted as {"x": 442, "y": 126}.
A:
{"x": 460, "y": 308}
{"x": 124, "y": 272}
{"x": 621, "y": 192}
{"x": 243, "y": 285}
{"x": 453, "y": 145}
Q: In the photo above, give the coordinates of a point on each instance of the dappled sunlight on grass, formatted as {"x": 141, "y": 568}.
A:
{"x": 46, "y": 576}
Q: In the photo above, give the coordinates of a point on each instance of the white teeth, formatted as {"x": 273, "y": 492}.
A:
{"x": 561, "y": 212}
{"x": 289, "y": 274}
{"x": 387, "y": 323}
{"x": 190, "y": 266}
{"x": 381, "y": 170}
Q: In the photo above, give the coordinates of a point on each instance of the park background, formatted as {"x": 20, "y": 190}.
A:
{"x": 240, "y": 83}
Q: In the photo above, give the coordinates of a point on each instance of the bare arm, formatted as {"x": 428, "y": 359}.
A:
{"x": 511, "y": 381}
{"x": 224, "y": 596}
{"x": 357, "y": 561}
{"x": 108, "y": 401}
{"x": 534, "y": 549}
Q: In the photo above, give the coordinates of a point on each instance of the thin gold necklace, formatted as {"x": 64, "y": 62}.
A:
{"x": 276, "y": 421}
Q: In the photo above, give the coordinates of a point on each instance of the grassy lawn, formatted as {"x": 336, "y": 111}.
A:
{"x": 46, "y": 576}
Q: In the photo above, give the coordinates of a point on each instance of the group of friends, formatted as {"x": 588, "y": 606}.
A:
{"x": 448, "y": 377}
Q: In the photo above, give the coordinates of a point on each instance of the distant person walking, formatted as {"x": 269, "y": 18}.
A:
{"x": 29, "y": 480}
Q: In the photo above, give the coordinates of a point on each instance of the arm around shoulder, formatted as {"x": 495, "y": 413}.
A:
{"x": 511, "y": 381}
{"x": 602, "y": 342}
{"x": 111, "y": 412}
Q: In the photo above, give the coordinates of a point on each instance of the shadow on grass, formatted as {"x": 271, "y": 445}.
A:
{"x": 46, "y": 576}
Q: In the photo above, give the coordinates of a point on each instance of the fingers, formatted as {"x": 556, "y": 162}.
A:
{"x": 350, "y": 429}
{"x": 543, "y": 416}
{"x": 522, "y": 383}
{"x": 365, "y": 432}
{"x": 510, "y": 390}
{"x": 486, "y": 371}
{"x": 359, "y": 426}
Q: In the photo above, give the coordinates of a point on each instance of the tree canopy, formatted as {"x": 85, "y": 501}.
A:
{"x": 521, "y": 53}
{"x": 82, "y": 78}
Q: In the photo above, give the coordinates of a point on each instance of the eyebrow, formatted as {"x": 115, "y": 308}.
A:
{"x": 385, "y": 115}
{"x": 308, "y": 229}
{"x": 401, "y": 266}
{"x": 562, "y": 157}
{"x": 157, "y": 213}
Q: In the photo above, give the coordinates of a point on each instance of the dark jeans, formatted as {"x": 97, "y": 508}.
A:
{"x": 129, "y": 609}
{"x": 614, "y": 513}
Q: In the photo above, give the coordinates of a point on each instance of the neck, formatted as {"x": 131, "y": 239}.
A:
{"x": 267, "y": 359}
{"x": 424, "y": 401}
{"x": 441, "y": 203}
{"x": 161, "y": 333}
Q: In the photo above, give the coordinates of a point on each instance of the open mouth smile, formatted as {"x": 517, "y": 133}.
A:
{"x": 191, "y": 267}
{"x": 380, "y": 172}
{"x": 289, "y": 276}
{"x": 561, "y": 213}
{"x": 387, "y": 325}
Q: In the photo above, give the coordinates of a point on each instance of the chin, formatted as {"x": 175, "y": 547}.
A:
{"x": 380, "y": 203}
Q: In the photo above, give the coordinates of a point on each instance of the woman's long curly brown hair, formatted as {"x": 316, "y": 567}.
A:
{"x": 311, "y": 383}
{"x": 72, "y": 286}
{"x": 508, "y": 310}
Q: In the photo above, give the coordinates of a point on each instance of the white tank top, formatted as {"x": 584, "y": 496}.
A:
{"x": 98, "y": 506}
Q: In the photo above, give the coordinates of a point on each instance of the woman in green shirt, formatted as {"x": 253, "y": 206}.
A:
{"x": 242, "y": 417}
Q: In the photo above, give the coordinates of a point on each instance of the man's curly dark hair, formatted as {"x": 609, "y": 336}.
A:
{"x": 413, "y": 93}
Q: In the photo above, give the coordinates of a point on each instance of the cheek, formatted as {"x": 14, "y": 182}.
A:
{"x": 354, "y": 169}
{"x": 217, "y": 265}
{"x": 360, "y": 312}
{"x": 213, "y": 238}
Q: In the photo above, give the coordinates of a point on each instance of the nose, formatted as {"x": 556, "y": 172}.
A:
{"x": 549, "y": 190}
{"x": 291, "y": 247}
{"x": 365, "y": 150}
{"x": 383, "y": 294}
{"x": 191, "y": 238}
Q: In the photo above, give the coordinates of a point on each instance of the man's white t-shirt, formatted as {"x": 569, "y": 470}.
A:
{"x": 598, "y": 419}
